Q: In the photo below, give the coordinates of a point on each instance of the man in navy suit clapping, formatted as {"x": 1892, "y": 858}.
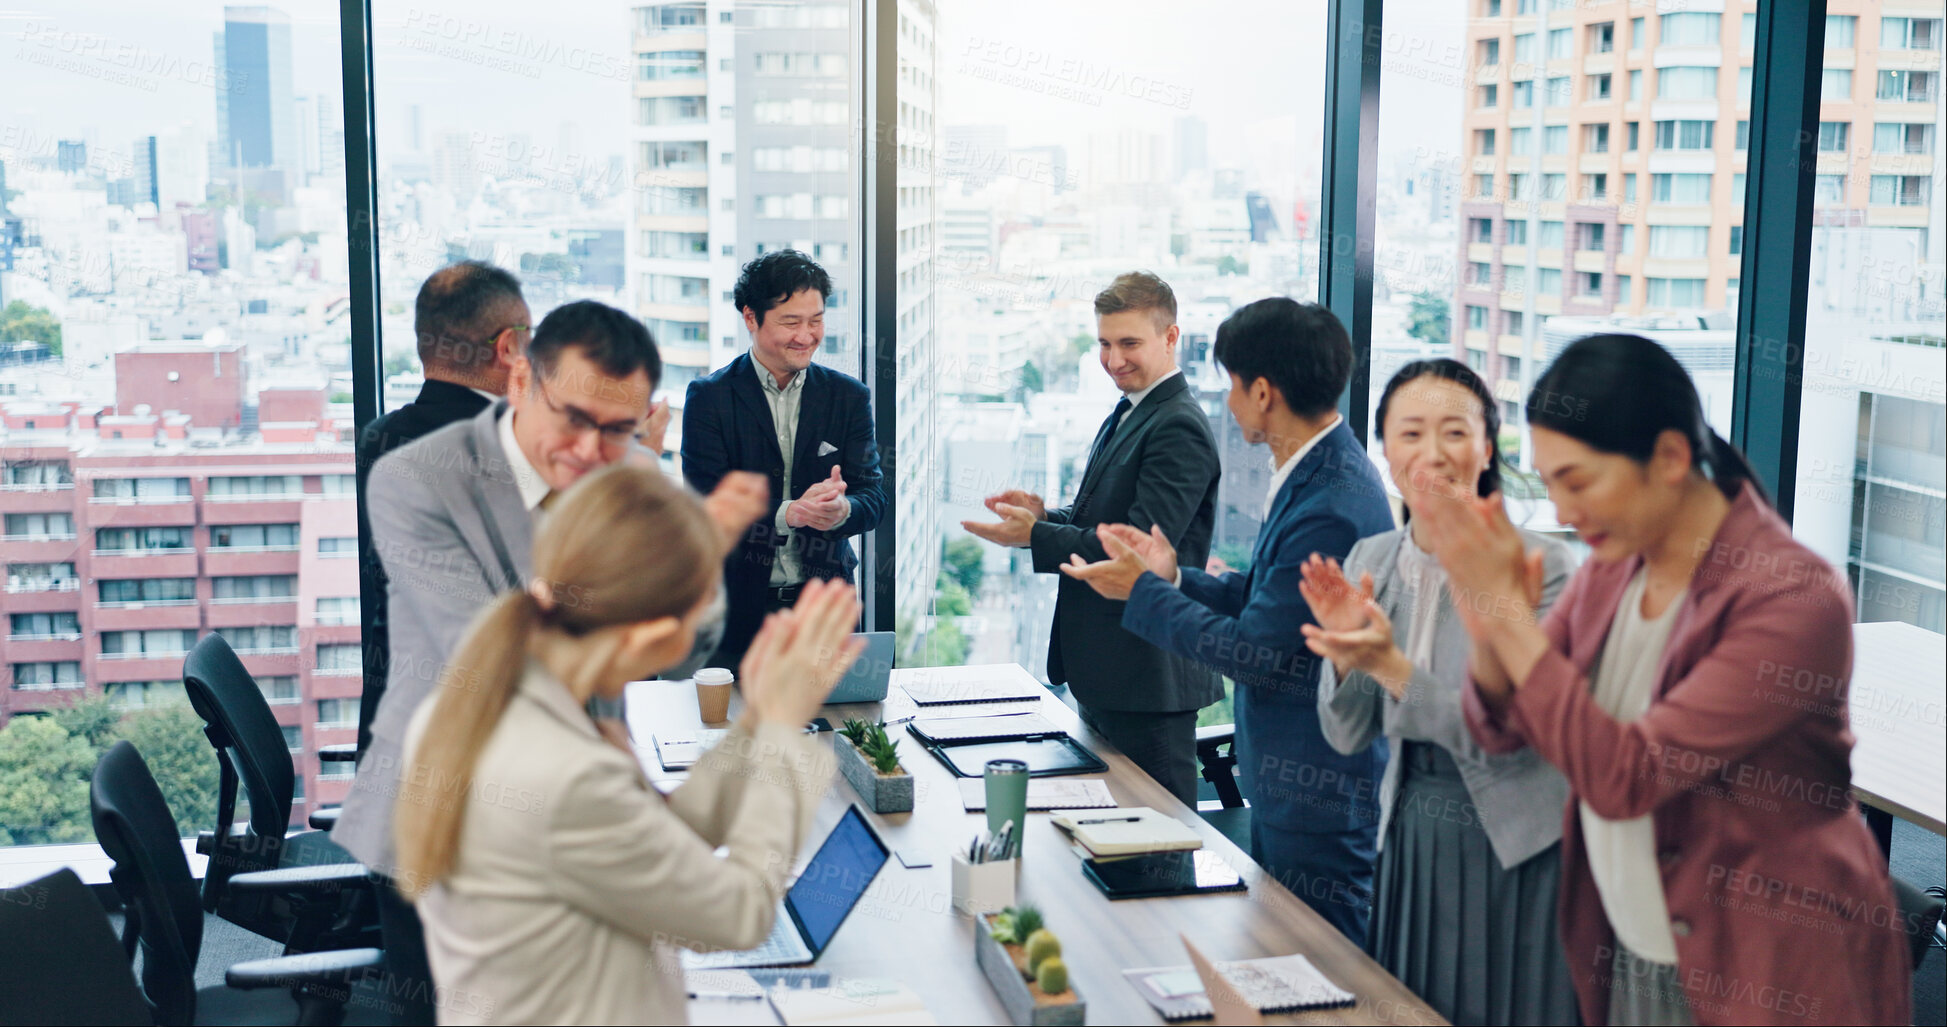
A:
{"x": 805, "y": 426}
{"x": 1314, "y": 812}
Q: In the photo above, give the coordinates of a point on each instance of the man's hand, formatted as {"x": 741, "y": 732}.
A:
{"x": 1131, "y": 553}
{"x": 655, "y": 428}
{"x": 1018, "y": 497}
{"x": 736, "y": 503}
{"x": 1015, "y": 528}
{"x": 823, "y": 506}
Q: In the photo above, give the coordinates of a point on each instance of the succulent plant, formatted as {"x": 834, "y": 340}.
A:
{"x": 1052, "y": 977}
{"x": 1027, "y": 920}
{"x": 879, "y": 748}
{"x": 1042, "y": 945}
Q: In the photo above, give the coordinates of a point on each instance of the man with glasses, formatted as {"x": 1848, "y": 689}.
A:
{"x": 453, "y": 520}
{"x": 804, "y": 426}
{"x": 472, "y": 323}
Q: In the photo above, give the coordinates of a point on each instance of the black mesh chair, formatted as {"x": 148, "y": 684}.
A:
{"x": 1217, "y": 757}
{"x": 251, "y": 754}
{"x": 59, "y": 960}
{"x": 165, "y": 920}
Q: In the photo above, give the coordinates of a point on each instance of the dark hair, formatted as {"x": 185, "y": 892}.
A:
{"x": 1462, "y": 375}
{"x": 1618, "y": 393}
{"x": 458, "y": 314}
{"x": 1301, "y": 348}
{"x": 775, "y": 277}
{"x": 1139, "y": 290}
{"x": 610, "y": 338}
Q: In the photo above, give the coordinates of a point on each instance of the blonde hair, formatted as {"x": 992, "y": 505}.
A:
{"x": 625, "y": 545}
{"x": 1139, "y": 290}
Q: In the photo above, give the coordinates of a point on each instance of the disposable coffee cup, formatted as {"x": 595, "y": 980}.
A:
{"x": 713, "y": 694}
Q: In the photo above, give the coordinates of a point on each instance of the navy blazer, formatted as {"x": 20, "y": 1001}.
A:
{"x": 1245, "y": 625}
{"x": 727, "y": 427}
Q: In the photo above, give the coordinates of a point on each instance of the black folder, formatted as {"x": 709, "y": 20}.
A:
{"x": 1045, "y": 755}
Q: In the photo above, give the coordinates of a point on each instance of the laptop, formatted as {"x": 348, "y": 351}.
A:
{"x": 870, "y": 675}
{"x": 819, "y": 901}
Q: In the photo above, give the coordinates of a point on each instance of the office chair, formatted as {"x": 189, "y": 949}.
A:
{"x": 59, "y": 960}
{"x": 165, "y": 920}
{"x": 1217, "y": 756}
{"x": 251, "y": 752}
{"x": 1920, "y": 913}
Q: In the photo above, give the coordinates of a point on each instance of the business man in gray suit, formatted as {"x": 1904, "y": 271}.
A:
{"x": 453, "y": 517}
{"x": 1154, "y": 463}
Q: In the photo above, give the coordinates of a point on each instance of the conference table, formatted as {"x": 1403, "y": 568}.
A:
{"x": 905, "y": 928}
{"x": 1898, "y": 700}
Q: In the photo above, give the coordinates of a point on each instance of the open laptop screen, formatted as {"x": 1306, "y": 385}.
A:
{"x": 836, "y": 879}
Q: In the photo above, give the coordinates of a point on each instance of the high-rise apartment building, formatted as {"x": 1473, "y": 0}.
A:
{"x": 256, "y": 112}
{"x": 1604, "y": 157}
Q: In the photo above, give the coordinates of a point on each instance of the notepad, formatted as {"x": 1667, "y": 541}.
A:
{"x": 995, "y": 728}
{"x": 1126, "y": 830}
{"x": 1044, "y": 793}
{"x": 850, "y": 1002}
{"x": 682, "y": 752}
{"x": 1276, "y": 984}
{"x": 987, "y": 682}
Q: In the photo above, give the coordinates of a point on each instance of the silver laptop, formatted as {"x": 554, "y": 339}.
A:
{"x": 819, "y": 901}
{"x": 871, "y": 674}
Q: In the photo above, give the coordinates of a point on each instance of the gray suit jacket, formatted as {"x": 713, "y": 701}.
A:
{"x": 1518, "y": 797}
{"x": 449, "y": 525}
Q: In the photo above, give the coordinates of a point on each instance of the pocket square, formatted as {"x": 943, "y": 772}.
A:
{"x": 826, "y": 449}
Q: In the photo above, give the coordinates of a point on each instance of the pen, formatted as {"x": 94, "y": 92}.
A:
{"x": 1109, "y": 820}
{"x": 726, "y": 994}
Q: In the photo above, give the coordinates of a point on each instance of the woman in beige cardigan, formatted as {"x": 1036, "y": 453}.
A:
{"x": 556, "y": 885}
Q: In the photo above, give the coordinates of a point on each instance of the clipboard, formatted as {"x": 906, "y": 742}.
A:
{"x": 1045, "y": 755}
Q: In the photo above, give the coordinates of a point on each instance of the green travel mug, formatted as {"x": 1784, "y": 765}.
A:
{"x": 1007, "y": 800}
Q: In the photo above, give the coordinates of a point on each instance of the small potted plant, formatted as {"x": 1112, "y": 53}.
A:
{"x": 869, "y": 759}
{"x": 1022, "y": 961}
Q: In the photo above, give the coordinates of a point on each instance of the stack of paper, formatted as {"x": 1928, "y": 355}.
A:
{"x": 1277, "y": 984}
{"x": 1044, "y": 793}
{"x": 850, "y": 1002}
{"x": 1127, "y": 830}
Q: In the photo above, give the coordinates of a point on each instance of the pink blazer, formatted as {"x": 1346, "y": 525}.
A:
{"x": 1778, "y": 895}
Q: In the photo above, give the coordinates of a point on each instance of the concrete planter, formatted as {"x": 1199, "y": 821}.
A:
{"x": 1027, "y": 1005}
{"x": 883, "y": 793}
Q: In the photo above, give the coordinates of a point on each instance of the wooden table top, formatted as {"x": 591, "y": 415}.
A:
{"x": 905, "y": 927}
{"x": 1897, "y": 700}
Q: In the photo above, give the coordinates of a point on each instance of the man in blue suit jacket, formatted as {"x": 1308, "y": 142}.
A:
{"x": 805, "y": 426}
{"x": 1314, "y": 812}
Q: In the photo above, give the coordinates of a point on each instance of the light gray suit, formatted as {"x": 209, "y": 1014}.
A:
{"x": 450, "y": 527}
{"x": 1519, "y": 796}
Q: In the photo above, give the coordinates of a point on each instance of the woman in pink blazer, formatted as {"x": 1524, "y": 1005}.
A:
{"x": 1691, "y": 685}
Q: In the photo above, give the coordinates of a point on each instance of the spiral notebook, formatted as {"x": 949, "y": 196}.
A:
{"x": 1276, "y": 984}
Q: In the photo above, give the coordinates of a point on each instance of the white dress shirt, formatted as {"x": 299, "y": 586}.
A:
{"x": 1136, "y": 398}
{"x": 1279, "y": 472}
{"x": 533, "y": 488}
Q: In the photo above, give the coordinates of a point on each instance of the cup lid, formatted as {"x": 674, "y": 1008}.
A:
{"x": 714, "y": 676}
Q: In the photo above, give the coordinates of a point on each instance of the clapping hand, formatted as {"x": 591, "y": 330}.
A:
{"x": 1130, "y": 554}
{"x": 736, "y": 503}
{"x": 1335, "y": 604}
{"x": 799, "y": 654}
{"x": 1018, "y": 510}
{"x": 823, "y": 506}
{"x": 1490, "y": 572}
{"x": 654, "y": 428}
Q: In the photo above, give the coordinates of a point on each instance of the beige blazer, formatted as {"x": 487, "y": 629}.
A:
{"x": 576, "y": 883}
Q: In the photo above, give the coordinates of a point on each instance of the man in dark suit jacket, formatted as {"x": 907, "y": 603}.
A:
{"x": 1314, "y": 812}
{"x": 805, "y": 426}
{"x": 1154, "y": 463}
{"x": 472, "y": 324}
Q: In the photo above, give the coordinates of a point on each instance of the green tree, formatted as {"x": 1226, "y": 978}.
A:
{"x": 944, "y": 646}
{"x": 400, "y": 362}
{"x": 952, "y": 600}
{"x": 962, "y": 560}
{"x": 1237, "y": 556}
{"x": 20, "y": 322}
{"x": 1081, "y": 343}
{"x": 1031, "y": 380}
{"x": 1426, "y": 318}
{"x": 1229, "y": 265}
{"x": 46, "y": 763}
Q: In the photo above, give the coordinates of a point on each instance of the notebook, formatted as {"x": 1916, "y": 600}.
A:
{"x": 1126, "y": 830}
{"x": 680, "y": 752}
{"x": 1276, "y": 984}
{"x": 851, "y": 1001}
{"x": 1044, "y": 793}
{"x": 997, "y": 728}
{"x": 987, "y": 682}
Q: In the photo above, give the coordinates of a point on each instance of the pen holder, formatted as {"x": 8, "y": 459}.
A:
{"x": 984, "y": 887}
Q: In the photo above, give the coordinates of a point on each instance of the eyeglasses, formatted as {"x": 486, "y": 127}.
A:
{"x": 615, "y": 435}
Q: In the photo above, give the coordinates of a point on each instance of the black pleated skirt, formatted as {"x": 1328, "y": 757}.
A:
{"x": 1477, "y": 942}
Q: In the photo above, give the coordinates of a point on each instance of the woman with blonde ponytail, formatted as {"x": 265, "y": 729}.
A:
{"x": 554, "y": 882}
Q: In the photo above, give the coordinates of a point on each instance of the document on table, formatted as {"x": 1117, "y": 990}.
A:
{"x": 1045, "y": 793}
{"x": 851, "y": 1001}
{"x": 681, "y": 753}
{"x": 951, "y": 686}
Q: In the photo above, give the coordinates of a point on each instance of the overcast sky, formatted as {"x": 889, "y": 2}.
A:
{"x": 1049, "y": 70}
